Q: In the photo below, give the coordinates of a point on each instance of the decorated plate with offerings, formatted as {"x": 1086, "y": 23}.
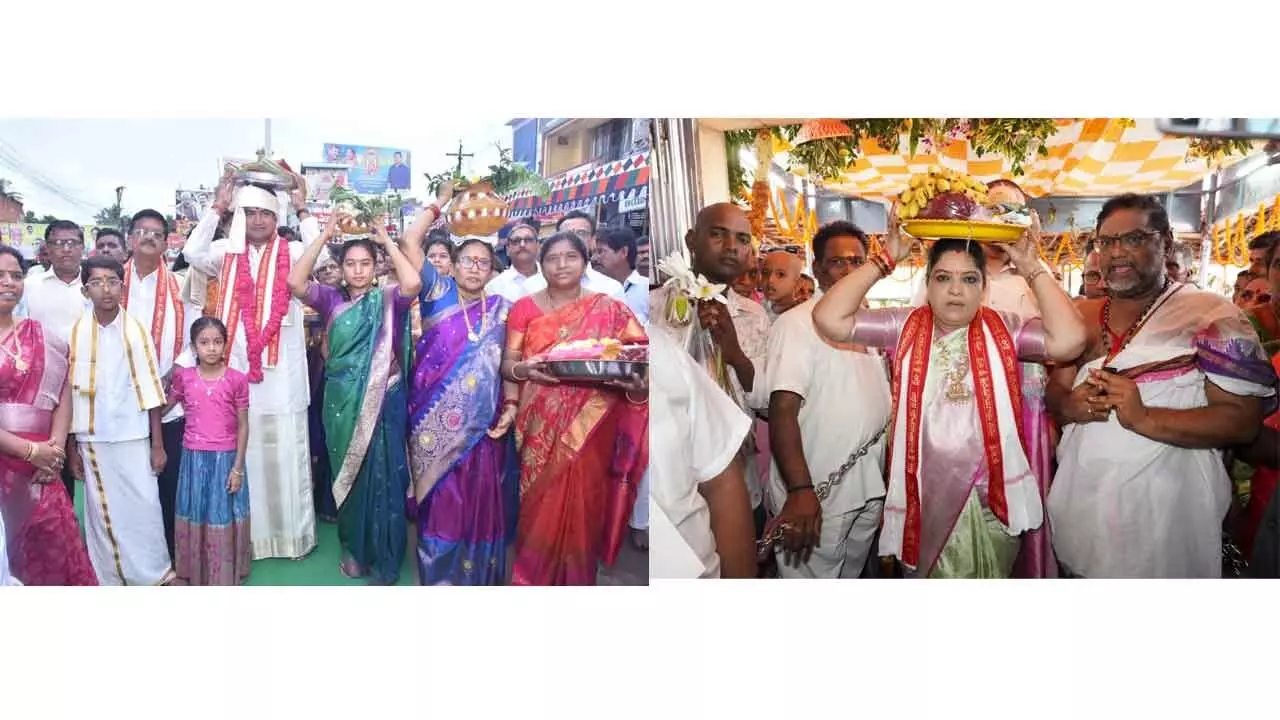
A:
{"x": 264, "y": 172}
{"x": 596, "y": 360}
{"x": 947, "y": 204}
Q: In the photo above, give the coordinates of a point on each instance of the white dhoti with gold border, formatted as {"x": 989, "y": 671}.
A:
{"x": 123, "y": 522}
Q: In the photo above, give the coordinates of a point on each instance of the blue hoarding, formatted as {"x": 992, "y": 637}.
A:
{"x": 374, "y": 170}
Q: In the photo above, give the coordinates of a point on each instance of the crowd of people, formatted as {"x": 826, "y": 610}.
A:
{"x": 216, "y": 407}
{"x": 995, "y": 427}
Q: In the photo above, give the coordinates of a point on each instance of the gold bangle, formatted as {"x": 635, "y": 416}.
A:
{"x": 627, "y": 395}
{"x": 516, "y": 377}
{"x": 31, "y": 451}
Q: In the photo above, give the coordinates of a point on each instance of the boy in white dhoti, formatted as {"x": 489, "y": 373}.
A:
{"x": 116, "y": 400}
{"x": 268, "y": 343}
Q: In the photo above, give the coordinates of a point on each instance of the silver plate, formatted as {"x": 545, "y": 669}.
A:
{"x": 597, "y": 370}
{"x": 279, "y": 182}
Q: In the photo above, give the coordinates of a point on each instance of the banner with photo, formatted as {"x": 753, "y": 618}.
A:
{"x": 190, "y": 205}
{"x": 27, "y": 237}
{"x": 322, "y": 178}
{"x": 373, "y": 170}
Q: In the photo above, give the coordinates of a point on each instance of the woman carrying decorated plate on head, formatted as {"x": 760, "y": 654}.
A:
{"x": 364, "y": 396}
{"x": 961, "y": 491}
{"x": 465, "y": 471}
{"x": 583, "y": 447}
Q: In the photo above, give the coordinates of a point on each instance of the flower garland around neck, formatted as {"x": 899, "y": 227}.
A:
{"x": 255, "y": 337}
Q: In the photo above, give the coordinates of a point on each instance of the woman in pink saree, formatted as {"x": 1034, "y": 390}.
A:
{"x": 964, "y": 493}
{"x": 44, "y": 543}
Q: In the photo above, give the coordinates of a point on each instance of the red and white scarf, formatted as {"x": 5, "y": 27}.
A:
{"x": 1013, "y": 495}
{"x": 167, "y": 293}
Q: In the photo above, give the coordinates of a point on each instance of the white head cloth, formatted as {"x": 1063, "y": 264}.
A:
{"x": 249, "y": 196}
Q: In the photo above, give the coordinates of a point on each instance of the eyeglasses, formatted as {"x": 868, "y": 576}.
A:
{"x": 1093, "y": 277}
{"x": 842, "y": 262}
{"x": 1130, "y": 241}
{"x": 143, "y": 233}
{"x": 99, "y": 283}
{"x": 64, "y": 243}
{"x": 474, "y": 263}
{"x": 1261, "y": 298}
{"x": 522, "y": 240}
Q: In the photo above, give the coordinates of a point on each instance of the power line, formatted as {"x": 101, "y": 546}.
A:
{"x": 10, "y": 157}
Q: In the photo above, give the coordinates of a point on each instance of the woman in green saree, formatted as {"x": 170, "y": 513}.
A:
{"x": 364, "y": 411}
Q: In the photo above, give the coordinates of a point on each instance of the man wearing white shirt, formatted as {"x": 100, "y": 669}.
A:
{"x": 827, "y": 412}
{"x": 616, "y": 255}
{"x": 730, "y": 340}
{"x": 522, "y": 248}
{"x": 702, "y": 525}
{"x": 53, "y": 297}
{"x": 278, "y": 457}
{"x": 147, "y": 281}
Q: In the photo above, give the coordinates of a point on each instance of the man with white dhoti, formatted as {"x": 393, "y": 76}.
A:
{"x": 116, "y": 398}
{"x": 268, "y": 343}
{"x": 1171, "y": 376}
{"x": 828, "y": 409}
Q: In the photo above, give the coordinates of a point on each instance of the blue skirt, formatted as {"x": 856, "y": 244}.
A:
{"x": 211, "y": 535}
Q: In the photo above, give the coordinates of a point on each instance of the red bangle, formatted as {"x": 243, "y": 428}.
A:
{"x": 510, "y": 401}
{"x": 889, "y": 262}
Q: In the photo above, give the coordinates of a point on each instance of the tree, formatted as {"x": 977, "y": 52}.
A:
{"x": 113, "y": 216}
{"x": 31, "y": 218}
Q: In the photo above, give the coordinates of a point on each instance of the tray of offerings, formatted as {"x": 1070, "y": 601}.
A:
{"x": 597, "y": 361}
{"x": 947, "y": 204}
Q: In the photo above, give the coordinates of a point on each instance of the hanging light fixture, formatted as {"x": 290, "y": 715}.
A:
{"x": 821, "y": 129}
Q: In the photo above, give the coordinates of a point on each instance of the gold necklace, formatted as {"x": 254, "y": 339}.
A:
{"x": 957, "y": 368}
{"x": 484, "y": 319}
{"x": 18, "y": 363}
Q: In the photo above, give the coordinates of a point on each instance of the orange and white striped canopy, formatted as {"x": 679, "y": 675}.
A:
{"x": 1092, "y": 156}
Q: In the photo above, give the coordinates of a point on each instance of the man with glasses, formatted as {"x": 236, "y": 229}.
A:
{"x": 152, "y": 295}
{"x": 522, "y": 248}
{"x": 53, "y": 296}
{"x": 1173, "y": 375}
{"x": 110, "y": 243}
{"x": 828, "y": 407}
{"x": 1094, "y": 285}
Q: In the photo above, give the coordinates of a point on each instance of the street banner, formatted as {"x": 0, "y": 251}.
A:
{"x": 374, "y": 170}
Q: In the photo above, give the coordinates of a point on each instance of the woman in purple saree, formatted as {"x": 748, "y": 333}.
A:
{"x": 462, "y": 455}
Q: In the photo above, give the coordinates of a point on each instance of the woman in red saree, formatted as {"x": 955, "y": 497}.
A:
{"x": 44, "y": 543}
{"x": 583, "y": 448}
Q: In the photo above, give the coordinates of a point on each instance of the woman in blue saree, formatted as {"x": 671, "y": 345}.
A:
{"x": 364, "y": 398}
{"x": 462, "y": 453}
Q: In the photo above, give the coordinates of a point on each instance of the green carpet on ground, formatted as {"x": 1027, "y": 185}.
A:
{"x": 320, "y": 568}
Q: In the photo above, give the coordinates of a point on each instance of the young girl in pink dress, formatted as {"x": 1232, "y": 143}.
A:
{"x": 212, "y": 541}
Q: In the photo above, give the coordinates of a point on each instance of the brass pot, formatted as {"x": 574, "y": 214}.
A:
{"x": 477, "y": 210}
